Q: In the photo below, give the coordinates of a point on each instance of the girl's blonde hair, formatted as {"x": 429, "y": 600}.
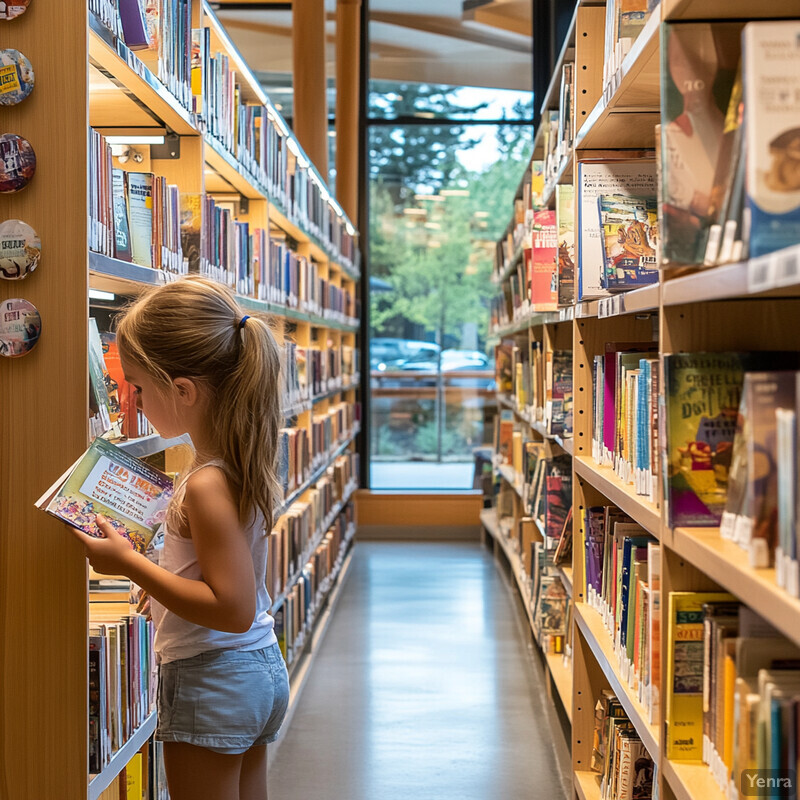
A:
{"x": 192, "y": 328}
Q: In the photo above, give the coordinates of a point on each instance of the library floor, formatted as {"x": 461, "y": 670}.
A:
{"x": 424, "y": 687}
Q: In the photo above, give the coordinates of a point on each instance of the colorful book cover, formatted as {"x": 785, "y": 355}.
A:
{"x": 684, "y": 701}
{"x": 544, "y": 260}
{"x": 560, "y": 420}
{"x": 191, "y": 212}
{"x": 122, "y": 233}
{"x": 140, "y": 216}
{"x": 558, "y": 494}
{"x": 698, "y": 71}
{"x": 596, "y": 178}
{"x": 565, "y": 222}
{"x": 630, "y": 235}
{"x": 537, "y": 184}
{"x": 771, "y": 67}
{"x": 106, "y": 480}
{"x": 702, "y": 397}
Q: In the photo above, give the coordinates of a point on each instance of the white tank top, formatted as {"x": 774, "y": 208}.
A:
{"x": 175, "y": 637}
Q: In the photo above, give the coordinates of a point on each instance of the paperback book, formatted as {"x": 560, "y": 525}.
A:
{"x": 105, "y": 480}
{"x": 630, "y": 241}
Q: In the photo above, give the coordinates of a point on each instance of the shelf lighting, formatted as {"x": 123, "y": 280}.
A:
{"x": 121, "y": 140}
{"x": 97, "y": 294}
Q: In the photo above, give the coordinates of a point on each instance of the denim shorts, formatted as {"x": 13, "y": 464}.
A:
{"x": 224, "y": 700}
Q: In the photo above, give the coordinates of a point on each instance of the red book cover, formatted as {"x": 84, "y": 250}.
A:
{"x": 544, "y": 267}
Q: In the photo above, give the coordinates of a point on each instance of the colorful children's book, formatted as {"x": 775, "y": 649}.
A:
{"x": 106, "y": 480}
{"x": 544, "y": 262}
{"x": 630, "y": 237}
{"x": 565, "y": 222}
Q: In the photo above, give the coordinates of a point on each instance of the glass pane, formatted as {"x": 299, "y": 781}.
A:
{"x": 392, "y": 99}
{"x": 439, "y": 199}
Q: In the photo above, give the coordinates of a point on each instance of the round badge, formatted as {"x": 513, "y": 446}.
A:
{"x": 20, "y": 249}
{"x": 14, "y": 9}
{"x": 17, "y": 162}
{"x": 20, "y": 326}
{"x": 16, "y": 77}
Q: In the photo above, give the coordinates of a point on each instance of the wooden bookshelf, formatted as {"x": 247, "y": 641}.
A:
{"x": 45, "y": 613}
{"x": 750, "y": 305}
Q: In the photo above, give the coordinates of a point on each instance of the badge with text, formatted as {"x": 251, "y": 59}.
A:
{"x": 20, "y": 327}
{"x": 20, "y": 249}
{"x": 16, "y": 77}
{"x": 14, "y": 9}
{"x": 17, "y": 162}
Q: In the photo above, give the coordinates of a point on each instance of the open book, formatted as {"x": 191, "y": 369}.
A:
{"x": 106, "y": 480}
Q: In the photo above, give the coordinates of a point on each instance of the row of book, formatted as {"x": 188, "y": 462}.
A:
{"x": 311, "y": 373}
{"x": 714, "y": 191}
{"x": 160, "y": 33}
{"x": 733, "y": 701}
{"x": 295, "y": 618}
{"x": 625, "y": 383}
{"x": 122, "y": 689}
{"x": 558, "y": 130}
{"x": 538, "y": 382}
{"x": 625, "y": 20}
{"x": 330, "y": 428}
{"x": 297, "y": 530}
{"x": 134, "y": 216}
{"x": 622, "y": 569}
{"x": 144, "y": 777}
{"x": 619, "y": 757}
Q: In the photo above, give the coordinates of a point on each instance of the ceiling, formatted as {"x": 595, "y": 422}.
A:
{"x": 431, "y": 41}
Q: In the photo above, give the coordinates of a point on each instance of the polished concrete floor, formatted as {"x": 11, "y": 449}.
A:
{"x": 424, "y": 688}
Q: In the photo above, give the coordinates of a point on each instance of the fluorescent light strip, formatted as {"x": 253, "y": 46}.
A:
{"x": 97, "y": 294}
{"x": 113, "y": 140}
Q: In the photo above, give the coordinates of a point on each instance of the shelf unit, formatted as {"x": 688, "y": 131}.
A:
{"x": 44, "y": 613}
{"x": 698, "y": 310}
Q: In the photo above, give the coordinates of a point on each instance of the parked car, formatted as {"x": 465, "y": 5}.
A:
{"x": 452, "y": 361}
{"x": 385, "y": 353}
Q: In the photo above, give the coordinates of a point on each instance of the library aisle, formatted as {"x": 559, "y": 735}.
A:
{"x": 423, "y": 687}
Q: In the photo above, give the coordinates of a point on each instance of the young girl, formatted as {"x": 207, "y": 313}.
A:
{"x": 201, "y": 366}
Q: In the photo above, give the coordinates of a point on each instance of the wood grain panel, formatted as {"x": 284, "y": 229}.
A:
{"x": 418, "y": 510}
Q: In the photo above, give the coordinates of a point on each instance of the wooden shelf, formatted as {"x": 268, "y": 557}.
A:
{"x": 103, "y": 780}
{"x": 728, "y": 565}
{"x": 628, "y": 117}
{"x": 566, "y": 578}
{"x": 690, "y": 780}
{"x": 123, "y": 67}
{"x": 643, "y": 299}
{"x": 562, "y": 678}
{"x": 605, "y": 480}
{"x": 728, "y": 9}
{"x": 510, "y": 477}
{"x": 598, "y": 639}
{"x": 228, "y": 168}
{"x": 586, "y": 785}
{"x": 774, "y": 275}
{"x": 532, "y": 321}
{"x": 509, "y": 268}
{"x": 121, "y": 277}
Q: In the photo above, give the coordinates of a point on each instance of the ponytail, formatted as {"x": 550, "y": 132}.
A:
{"x": 194, "y": 328}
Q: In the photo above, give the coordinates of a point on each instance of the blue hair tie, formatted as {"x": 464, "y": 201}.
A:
{"x": 243, "y": 320}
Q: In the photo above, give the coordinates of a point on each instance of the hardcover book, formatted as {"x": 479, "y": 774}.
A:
{"x": 630, "y": 241}
{"x": 698, "y": 71}
{"x": 140, "y": 216}
{"x": 596, "y": 178}
{"x": 106, "y": 480}
{"x": 565, "y": 222}
{"x": 771, "y": 59}
{"x": 544, "y": 261}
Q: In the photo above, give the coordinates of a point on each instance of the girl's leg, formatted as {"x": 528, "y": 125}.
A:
{"x": 194, "y": 772}
{"x": 253, "y": 779}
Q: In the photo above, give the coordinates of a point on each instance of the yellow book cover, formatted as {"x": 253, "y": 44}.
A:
{"x": 684, "y": 702}
{"x": 729, "y": 690}
{"x": 134, "y": 778}
{"x": 516, "y": 452}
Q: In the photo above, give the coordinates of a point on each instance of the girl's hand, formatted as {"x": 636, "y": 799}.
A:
{"x": 110, "y": 555}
